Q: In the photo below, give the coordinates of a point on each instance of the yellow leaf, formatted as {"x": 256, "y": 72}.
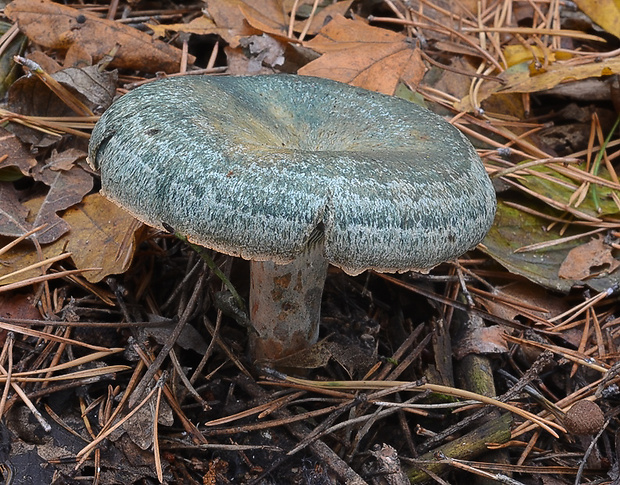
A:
{"x": 519, "y": 78}
{"x": 606, "y": 13}
{"x": 517, "y": 53}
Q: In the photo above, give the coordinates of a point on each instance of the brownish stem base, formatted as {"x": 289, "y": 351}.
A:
{"x": 285, "y": 304}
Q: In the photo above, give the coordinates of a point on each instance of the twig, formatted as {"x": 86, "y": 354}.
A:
{"x": 22, "y": 395}
{"x": 83, "y": 453}
{"x": 170, "y": 341}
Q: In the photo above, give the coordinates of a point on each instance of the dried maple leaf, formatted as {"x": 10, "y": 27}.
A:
{"x": 364, "y": 56}
{"x": 64, "y": 28}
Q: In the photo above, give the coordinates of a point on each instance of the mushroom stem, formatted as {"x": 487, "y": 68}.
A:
{"x": 285, "y": 304}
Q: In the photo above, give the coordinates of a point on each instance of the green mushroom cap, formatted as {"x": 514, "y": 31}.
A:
{"x": 254, "y": 166}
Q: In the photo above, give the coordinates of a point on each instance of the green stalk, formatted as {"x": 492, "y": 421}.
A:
{"x": 597, "y": 164}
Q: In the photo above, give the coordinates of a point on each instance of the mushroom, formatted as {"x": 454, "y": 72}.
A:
{"x": 584, "y": 418}
{"x": 293, "y": 173}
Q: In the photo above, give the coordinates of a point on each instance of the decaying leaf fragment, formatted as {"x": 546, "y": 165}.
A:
{"x": 361, "y": 55}
{"x": 263, "y": 50}
{"x": 66, "y": 159}
{"x": 588, "y": 260}
{"x": 64, "y": 28}
{"x": 484, "y": 340}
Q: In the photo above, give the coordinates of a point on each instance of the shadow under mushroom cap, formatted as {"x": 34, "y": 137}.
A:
{"x": 251, "y": 166}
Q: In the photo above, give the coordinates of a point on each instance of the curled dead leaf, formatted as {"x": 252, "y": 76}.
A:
{"x": 66, "y": 159}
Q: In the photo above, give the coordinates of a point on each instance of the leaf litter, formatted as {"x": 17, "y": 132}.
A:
{"x": 527, "y": 324}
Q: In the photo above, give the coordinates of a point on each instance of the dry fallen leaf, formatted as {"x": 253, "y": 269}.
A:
{"x": 268, "y": 16}
{"x": 606, "y": 13}
{"x": 65, "y": 160}
{"x": 95, "y": 87}
{"x": 12, "y": 213}
{"x": 229, "y": 21}
{"x": 199, "y": 26}
{"x": 588, "y": 260}
{"x": 273, "y": 16}
{"x": 364, "y": 56}
{"x": 66, "y": 188}
{"x": 15, "y": 153}
{"x": 29, "y": 96}
{"x": 263, "y": 50}
{"x": 519, "y": 78}
{"x": 517, "y": 53}
{"x": 102, "y": 236}
{"x": 519, "y": 299}
{"x": 81, "y": 91}
{"x": 64, "y": 28}
{"x": 322, "y": 16}
{"x": 18, "y": 306}
{"x": 24, "y": 255}
{"x": 235, "y": 19}
{"x": 353, "y": 359}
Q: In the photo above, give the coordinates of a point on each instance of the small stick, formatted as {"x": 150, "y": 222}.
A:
{"x": 83, "y": 453}
{"x": 63, "y": 93}
{"x": 10, "y": 338}
{"x": 156, "y": 452}
{"x": 39, "y": 417}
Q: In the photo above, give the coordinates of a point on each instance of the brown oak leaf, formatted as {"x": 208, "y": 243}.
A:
{"x": 64, "y": 28}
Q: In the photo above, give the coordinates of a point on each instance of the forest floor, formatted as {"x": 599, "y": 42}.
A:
{"x": 120, "y": 362}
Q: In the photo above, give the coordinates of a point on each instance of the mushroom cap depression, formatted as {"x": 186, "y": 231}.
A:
{"x": 253, "y": 166}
